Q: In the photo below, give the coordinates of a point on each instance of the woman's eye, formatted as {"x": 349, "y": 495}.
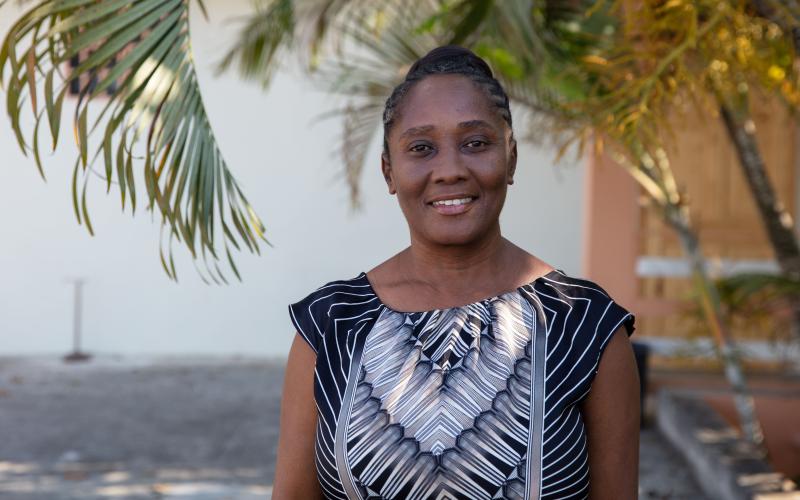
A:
{"x": 475, "y": 144}
{"x": 419, "y": 148}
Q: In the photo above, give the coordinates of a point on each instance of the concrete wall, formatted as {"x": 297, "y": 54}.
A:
{"x": 284, "y": 160}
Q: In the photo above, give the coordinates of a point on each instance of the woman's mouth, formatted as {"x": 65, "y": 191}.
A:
{"x": 453, "y": 206}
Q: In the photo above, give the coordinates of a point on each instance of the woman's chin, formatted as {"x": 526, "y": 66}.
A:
{"x": 452, "y": 236}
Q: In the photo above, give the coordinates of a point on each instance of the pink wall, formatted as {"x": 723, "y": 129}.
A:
{"x": 610, "y": 232}
{"x": 611, "y": 237}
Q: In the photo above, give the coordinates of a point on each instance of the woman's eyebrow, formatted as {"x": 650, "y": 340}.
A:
{"x": 416, "y": 131}
{"x": 423, "y": 129}
{"x": 475, "y": 124}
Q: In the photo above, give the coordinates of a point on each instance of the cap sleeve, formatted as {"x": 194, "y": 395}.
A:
{"x": 614, "y": 317}
{"x": 338, "y": 302}
{"x": 603, "y": 317}
{"x": 306, "y": 321}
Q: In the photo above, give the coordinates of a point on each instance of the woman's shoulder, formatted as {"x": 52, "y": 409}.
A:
{"x": 577, "y": 286}
{"x": 581, "y": 319}
{"x": 588, "y": 298}
{"x": 342, "y": 299}
{"x": 346, "y": 290}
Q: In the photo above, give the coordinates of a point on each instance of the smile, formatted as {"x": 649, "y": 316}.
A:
{"x": 457, "y": 201}
{"x": 453, "y": 206}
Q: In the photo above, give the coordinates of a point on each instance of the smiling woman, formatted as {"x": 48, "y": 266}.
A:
{"x": 463, "y": 366}
{"x": 449, "y": 153}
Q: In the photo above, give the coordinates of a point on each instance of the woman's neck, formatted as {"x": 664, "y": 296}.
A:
{"x": 456, "y": 269}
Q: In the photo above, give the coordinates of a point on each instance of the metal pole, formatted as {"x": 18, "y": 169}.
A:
{"x": 77, "y": 294}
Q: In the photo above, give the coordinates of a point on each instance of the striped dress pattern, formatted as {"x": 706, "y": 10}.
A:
{"x": 472, "y": 402}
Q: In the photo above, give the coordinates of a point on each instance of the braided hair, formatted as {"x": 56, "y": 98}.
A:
{"x": 446, "y": 60}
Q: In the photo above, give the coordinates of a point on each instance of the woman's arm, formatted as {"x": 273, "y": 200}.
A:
{"x": 295, "y": 471}
{"x": 611, "y": 415}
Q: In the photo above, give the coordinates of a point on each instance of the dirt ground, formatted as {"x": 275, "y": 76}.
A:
{"x": 175, "y": 429}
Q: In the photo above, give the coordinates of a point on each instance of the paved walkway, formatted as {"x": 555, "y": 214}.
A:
{"x": 174, "y": 429}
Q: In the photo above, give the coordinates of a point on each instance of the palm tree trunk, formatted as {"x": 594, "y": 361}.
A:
{"x": 777, "y": 221}
{"x": 710, "y": 302}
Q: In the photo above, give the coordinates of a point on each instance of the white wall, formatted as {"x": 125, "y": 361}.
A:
{"x": 287, "y": 169}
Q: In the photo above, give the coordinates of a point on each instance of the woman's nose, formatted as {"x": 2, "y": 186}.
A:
{"x": 449, "y": 166}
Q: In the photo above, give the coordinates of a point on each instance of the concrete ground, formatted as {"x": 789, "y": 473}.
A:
{"x": 174, "y": 429}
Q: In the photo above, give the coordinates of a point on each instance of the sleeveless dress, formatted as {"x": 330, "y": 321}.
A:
{"x": 472, "y": 402}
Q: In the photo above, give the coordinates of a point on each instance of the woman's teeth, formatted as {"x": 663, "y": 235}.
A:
{"x": 459, "y": 201}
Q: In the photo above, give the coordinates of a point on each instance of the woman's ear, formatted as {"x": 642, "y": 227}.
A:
{"x": 512, "y": 160}
{"x": 386, "y": 168}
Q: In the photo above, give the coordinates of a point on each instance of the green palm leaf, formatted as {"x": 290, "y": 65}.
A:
{"x": 381, "y": 49}
{"x": 310, "y": 28}
{"x": 139, "y": 52}
{"x": 261, "y": 39}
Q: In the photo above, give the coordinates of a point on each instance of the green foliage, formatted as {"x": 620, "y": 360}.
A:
{"x": 153, "y": 123}
{"x": 263, "y": 38}
{"x": 752, "y": 302}
{"x": 743, "y": 290}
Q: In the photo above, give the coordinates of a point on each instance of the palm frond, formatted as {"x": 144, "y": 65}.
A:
{"x": 262, "y": 38}
{"x": 134, "y": 62}
{"x": 306, "y": 27}
{"x": 376, "y": 49}
{"x": 357, "y": 49}
{"x": 741, "y": 287}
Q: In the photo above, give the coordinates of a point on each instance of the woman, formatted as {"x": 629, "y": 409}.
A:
{"x": 463, "y": 366}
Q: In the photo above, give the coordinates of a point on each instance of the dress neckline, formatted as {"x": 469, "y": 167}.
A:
{"x": 530, "y": 284}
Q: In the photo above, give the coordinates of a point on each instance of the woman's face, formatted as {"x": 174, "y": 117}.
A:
{"x": 451, "y": 158}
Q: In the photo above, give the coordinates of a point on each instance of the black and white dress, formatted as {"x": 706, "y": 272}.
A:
{"x": 472, "y": 402}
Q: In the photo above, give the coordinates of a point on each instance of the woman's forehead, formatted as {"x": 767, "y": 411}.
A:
{"x": 447, "y": 100}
